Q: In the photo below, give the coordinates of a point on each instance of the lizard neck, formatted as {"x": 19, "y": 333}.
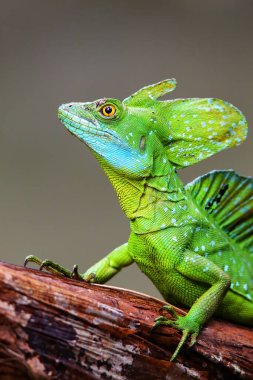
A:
{"x": 129, "y": 191}
{"x": 149, "y": 202}
{"x": 162, "y": 204}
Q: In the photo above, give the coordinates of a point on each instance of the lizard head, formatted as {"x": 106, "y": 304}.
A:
{"x": 116, "y": 134}
{"x": 135, "y": 137}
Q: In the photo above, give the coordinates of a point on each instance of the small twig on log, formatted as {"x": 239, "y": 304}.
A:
{"x": 57, "y": 328}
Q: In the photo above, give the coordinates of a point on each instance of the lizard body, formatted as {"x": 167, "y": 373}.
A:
{"x": 194, "y": 242}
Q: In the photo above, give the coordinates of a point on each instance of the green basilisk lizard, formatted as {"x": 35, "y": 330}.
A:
{"x": 194, "y": 242}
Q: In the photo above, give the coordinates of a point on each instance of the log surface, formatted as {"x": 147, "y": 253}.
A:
{"x": 57, "y": 328}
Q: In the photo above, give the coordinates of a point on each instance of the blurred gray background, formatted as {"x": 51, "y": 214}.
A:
{"x": 55, "y": 200}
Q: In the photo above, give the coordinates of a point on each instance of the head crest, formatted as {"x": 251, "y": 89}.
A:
{"x": 191, "y": 129}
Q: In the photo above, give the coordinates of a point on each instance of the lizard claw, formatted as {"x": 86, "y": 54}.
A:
{"x": 188, "y": 327}
{"x": 75, "y": 273}
{"x": 32, "y": 259}
{"x": 90, "y": 278}
{"x": 44, "y": 264}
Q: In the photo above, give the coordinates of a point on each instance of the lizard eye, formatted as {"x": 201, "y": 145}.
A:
{"x": 109, "y": 110}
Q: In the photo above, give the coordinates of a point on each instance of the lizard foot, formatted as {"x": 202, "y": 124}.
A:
{"x": 189, "y": 327}
{"x": 52, "y": 267}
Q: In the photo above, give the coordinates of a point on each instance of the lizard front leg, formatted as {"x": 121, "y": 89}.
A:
{"x": 101, "y": 272}
{"x": 200, "y": 270}
{"x": 110, "y": 264}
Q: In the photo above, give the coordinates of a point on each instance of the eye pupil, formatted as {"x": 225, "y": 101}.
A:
{"x": 108, "y": 110}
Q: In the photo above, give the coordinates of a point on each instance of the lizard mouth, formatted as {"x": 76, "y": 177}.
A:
{"x": 76, "y": 122}
{"x": 83, "y": 126}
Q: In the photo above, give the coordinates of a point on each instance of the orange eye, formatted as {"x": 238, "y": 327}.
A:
{"x": 109, "y": 110}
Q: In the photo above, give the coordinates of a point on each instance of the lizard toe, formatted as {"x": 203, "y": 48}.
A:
{"x": 168, "y": 309}
{"x": 32, "y": 259}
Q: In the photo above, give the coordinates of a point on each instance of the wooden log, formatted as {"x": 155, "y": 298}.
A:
{"x": 57, "y": 328}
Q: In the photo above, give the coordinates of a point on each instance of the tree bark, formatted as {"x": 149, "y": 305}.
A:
{"x": 57, "y": 328}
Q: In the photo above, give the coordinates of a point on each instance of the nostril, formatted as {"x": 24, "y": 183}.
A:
{"x": 70, "y": 105}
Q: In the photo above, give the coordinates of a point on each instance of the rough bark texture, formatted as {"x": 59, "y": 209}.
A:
{"x": 57, "y": 328}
